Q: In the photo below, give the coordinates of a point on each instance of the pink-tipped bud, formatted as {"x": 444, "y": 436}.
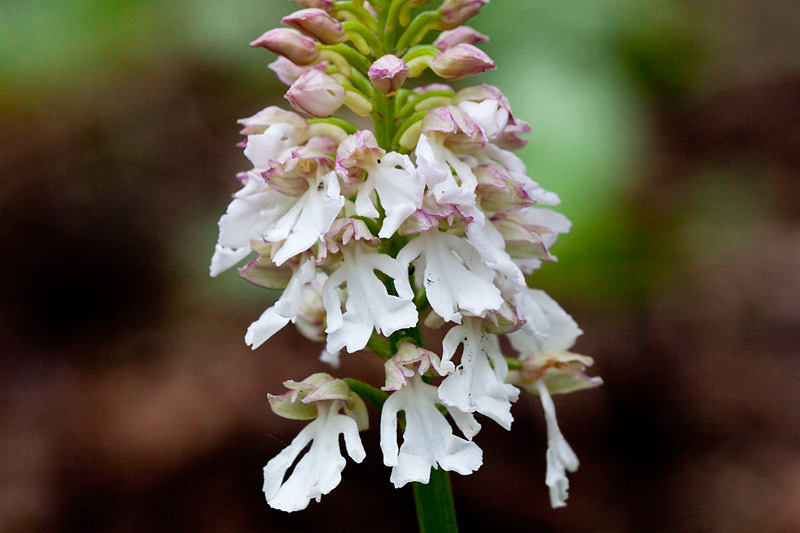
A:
{"x": 460, "y": 61}
{"x": 388, "y": 74}
{"x": 325, "y": 5}
{"x": 288, "y": 72}
{"x": 462, "y": 34}
{"x": 316, "y": 23}
{"x": 290, "y": 44}
{"x": 456, "y": 12}
{"x": 316, "y": 93}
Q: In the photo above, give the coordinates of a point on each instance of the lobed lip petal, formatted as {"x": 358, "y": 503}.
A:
{"x": 478, "y": 382}
{"x": 454, "y": 275}
{"x": 368, "y": 307}
{"x": 428, "y": 439}
{"x": 319, "y": 470}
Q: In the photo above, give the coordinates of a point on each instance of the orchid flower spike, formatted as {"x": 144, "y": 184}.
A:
{"x": 374, "y": 230}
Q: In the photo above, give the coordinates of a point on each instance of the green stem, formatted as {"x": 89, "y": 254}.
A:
{"x": 436, "y": 511}
{"x": 359, "y": 13}
{"x": 416, "y": 100}
{"x": 342, "y": 123}
{"x": 368, "y": 392}
{"x": 416, "y": 31}
{"x": 352, "y": 55}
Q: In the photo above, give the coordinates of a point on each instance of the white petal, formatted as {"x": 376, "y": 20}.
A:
{"x": 399, "y": 189}
{"x": 267, "y": 325}
{"x": 560, "y": 456}
{"x": 369, "y": 306}
{"x": 329, "y": 358}
{"x": 288, "y": 305}
{"x": 478, "y": 383}
{"x": 490, "y": 244}
{"x": 276, "y": 139}
{"x": 320, "y": 470}
{"x": 285, "y": 309}
{"x": 547, "y": 327}
{"x": 428, "y": 439}
{"x": 454, "y": 275}
{"x": 309, "y": 219}
{"x": 224, "y": 258}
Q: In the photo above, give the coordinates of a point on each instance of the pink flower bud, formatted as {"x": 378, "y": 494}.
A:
{"x": 325, "y": 5}
{"x": 457, "y": 12}
{"x": 288, "y": 72}
{"x": 316, "y": 93}
{"x": 316, "y": 23}
{"x": 388, "y": 74}
{"x": 460, "y": 61}
{"x": 290, "y": 44}
{"x": 462, "y": 34}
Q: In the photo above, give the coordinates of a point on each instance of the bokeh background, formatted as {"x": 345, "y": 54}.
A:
{"x": 129, "y": 402}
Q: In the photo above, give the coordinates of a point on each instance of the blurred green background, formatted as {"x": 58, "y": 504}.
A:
{"x": 128, "y": 400}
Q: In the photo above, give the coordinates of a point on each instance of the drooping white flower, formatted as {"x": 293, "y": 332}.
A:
{"x": 320, "y": 470}
{"x": 453, "y": 273}
{"x": 547, "y": 368}
{"x": 428, "y": 439}
{"x": 478, "y": 383}
{"x": 490, "y": 244}
{"x": 369, "y": 306}
{"x": 547, "y": 326}
{"x": 560, "y": 456}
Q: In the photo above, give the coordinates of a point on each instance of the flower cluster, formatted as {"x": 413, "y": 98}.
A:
{"x": 427, "y": 219}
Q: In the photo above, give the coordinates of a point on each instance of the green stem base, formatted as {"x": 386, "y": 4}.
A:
{"x": 436, "y": 511}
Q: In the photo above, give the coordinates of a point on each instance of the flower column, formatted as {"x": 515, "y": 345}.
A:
{"x": 426, "y": 218}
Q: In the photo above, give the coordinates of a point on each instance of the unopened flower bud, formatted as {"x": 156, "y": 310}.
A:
{"x": 456, "y": 12}
{"x": 316, "y": 93}
{"x": 316, "y": 23}
{"x": 460, "y": 61}
{"x": 290, "y": 44}
{"x": 388, "y": 74}
{"x": 462, "y": 34}
{"x": 325, "y": 5}
{"x": 288, "y": 72}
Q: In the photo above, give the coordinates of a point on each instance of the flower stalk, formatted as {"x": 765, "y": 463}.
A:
{"x": 436, "y": 512}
